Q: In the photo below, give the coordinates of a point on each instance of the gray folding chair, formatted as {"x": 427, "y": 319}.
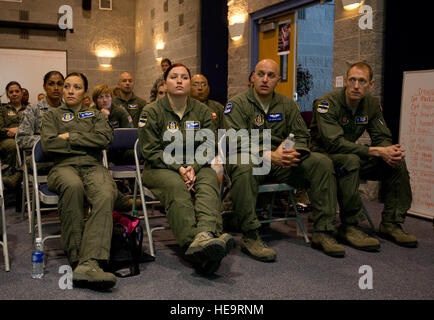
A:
{"x": 27, "y": 180}
{"x": 123, "y": 140}
{"x": 272, "y": 188}
{"x": 138, "y": 157}
{"x": 41, "y": 195}
{"x": 4, "y": 240}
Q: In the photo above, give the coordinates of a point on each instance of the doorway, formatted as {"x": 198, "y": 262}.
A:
{"x": 214, "y": 47}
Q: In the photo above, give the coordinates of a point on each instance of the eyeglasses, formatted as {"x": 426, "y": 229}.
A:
{"x": 362, "y": 82}
{"x": 197, "y": 84}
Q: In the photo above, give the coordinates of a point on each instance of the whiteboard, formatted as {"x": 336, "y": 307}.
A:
{"x": 417, "y": 137}
{"x": 28, "y": 68}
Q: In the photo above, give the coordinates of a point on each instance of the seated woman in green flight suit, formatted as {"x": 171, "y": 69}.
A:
{"x": 74, "y": 136}
{"x": 188, "y": 190}
{"x": 117, "y": 116}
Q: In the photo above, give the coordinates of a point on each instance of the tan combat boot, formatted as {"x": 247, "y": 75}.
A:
{"x": 328, "y": 244}
{"x": 395, "y": 233}
{"x": 252, "y": 245}
{"x": 89, "y": 274}
{"x": 206, "y": 246}
{"x": 357, "y": 239}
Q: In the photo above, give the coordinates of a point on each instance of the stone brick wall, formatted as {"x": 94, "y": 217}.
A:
{"x": 92, "y": 28}
{"x": 177, "y": 24}
{"x": 352, "y": 44}
{"x": 238, "y": 51}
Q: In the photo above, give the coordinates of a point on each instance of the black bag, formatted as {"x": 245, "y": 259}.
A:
{"x": 126, "y": 245}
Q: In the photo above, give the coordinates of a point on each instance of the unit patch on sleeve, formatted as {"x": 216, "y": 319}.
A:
{"x": 228, "y": 108}
{"x": 323, "y": 107}
{"x": 143, "y": 120}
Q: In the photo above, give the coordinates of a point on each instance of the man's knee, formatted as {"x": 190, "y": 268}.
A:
{"x": 319, "y": 161}
{"x": 241, "y": 172}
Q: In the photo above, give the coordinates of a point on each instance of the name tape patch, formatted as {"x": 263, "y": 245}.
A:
{"x": 362, "y": 120}
{"x": 274, "y": 117}
{"x": 192, "y": 125}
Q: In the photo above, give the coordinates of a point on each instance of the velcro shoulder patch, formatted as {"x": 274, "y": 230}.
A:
{"x": 228, "y": 108}
{"x": 323, "y": 107}
{"x": 143, "y": 120}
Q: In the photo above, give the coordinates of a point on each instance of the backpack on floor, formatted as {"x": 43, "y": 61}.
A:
{"x": 126, "y": 245}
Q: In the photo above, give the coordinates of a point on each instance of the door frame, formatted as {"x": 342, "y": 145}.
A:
{"x": 267, "y": 12}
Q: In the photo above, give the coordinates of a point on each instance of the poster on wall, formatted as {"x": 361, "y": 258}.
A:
{"x": 283, "y": 45}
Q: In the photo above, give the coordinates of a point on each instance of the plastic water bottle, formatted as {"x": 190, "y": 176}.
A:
{"x": 38, "y": 260}
{"x": 289, "y": 142}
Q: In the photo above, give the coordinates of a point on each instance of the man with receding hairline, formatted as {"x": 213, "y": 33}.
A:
{"x": 263, "y": 109}
{"x": 339, "y": 119}
{"x": 127, "y": 99}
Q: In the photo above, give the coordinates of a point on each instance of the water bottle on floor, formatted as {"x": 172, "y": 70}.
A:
{"x": 289, "y": 142}
{"x": 38, "y": 260}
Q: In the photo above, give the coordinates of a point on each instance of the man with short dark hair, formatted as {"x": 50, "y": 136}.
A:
{"x": 339, "y": 119}
{"x": 127, "y": 99}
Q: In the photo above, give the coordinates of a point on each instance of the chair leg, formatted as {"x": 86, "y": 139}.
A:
{"x": 298, "y": 218}
{"x": 5, "y": 237}
{"x": 134, "y": 194}
{"x": 29, "y": 203}
{"x": 368, "y": 216}
{"x": 138, "y": 181}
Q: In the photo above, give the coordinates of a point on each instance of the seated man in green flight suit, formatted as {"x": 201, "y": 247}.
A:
{"x": 339, "y": 119}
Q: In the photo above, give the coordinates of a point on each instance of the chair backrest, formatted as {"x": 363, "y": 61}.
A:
{"x": 137, "y": 152}
{"x": 38, "y": 154}
{"x": 124, "y": 139}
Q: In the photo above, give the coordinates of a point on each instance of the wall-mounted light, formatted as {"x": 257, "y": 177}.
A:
{"x": 159, "y": 47}
{"x": 104, "y": 58}
{"x": 237, "y": 17}
{"x": 351, "y": 4}
{"x": 236, "y": 30}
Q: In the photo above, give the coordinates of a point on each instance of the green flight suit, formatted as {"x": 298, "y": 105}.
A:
{"x": 78, "y": 174}
{"x": 334, "y": 129}
{"x": 134, "y": 106}
{"x": 9, "y": 118}
{"x": 315, "y": 171}
{"x": 120, "y": 118}
{"x": 188, "y": 213}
